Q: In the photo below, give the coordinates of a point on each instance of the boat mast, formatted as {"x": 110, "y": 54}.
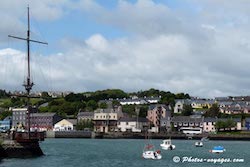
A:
{"x": 28, "y": 84}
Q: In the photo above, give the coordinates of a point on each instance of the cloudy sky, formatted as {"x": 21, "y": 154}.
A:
{"x": 192, "y": 46}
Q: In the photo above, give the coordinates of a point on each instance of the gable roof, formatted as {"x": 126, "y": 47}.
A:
{"x": 187, "y": 119}
{"x": 85, "y": 114}
{"x": 63, "y": 121}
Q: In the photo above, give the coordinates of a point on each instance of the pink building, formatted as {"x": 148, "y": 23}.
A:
{"x": 156, "y": 113}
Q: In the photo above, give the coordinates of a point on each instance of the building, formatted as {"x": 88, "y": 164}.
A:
{"x": 156, "y": 113}
{"x": 166, "y": 124}
{"x": 65, "y": 125}
{"x": 188, "y": 124}
{"x": 209, "y": 124}
{"x": 133, "y": 101}
{"x": 132, "y": 124}
{"x": 19, "y": 116}
{"x": 105, "y": 120}
{"x": 85, "y": 116}
{"x": 195, "y": 104}
{"x": 6, "y": 124}
{"x": 178, "y": 108}
{"x": 202, "y": 103}
{"x": 138, "y": 101}
{"x": 43, "y": 121}
{"x": 247, "y": 123}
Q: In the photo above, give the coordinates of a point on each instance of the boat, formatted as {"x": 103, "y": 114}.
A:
{"x": 167, "y": 145}
{"x": 199, "y": 144}
{"x": 217, "y": 149}
{"x": 22, "y": 142}
{"x": 149, "y": 152}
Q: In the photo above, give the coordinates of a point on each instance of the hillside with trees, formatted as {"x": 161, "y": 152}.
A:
{"x": 72, "y": 103}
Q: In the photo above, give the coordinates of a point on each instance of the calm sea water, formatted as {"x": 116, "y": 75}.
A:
{"x": 127, "y": 153}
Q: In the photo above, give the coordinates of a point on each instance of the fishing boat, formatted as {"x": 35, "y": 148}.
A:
{"x": 167, "y": 145}
{"x": 198, "y": 144}
{"x": 149, "y": 152}
{"x": 217, "y": 149}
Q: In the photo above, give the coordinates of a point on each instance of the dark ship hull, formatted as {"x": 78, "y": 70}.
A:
{"x": 22, "y": 145}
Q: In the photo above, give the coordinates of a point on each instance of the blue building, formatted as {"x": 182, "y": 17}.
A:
{"x": 247, "y": 123}
{"x": 5, "y": 124}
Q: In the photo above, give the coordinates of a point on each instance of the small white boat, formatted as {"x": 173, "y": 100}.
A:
{"x": 167, "y": 145}
{"x": 198, "y": 144}
{"x": 150, "y": 153}
{"x": 217, "y": 149}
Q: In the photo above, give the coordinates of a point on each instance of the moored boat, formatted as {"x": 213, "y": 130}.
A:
{"x": 198, "y": 144}
{"x": 149, "y": 152}
{"x": 217, "y": 149}
{"x": 167, "y": 145}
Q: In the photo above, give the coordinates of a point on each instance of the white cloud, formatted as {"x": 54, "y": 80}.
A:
{"x": 204, "y": 52}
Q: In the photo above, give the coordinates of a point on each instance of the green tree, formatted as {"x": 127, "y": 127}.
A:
{"x": 129, "y": 109}
{"x": 187, "y": 110}
{"x": 72, "y": 97}
{"x": 45, "y": 95}
{"x": 220, "y": 125}
{"x": 84, "y": 124}
{"x": 228, "y": 124}
{"x": 213, "y": 111}
{"x": 91, "y": 104}
{"x": 103, "y": 105}
{"x": 115, "y": 103}
{"x": 4, "y": 114}
{"x": 143, "y": 111}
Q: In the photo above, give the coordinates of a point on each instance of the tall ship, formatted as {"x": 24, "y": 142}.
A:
{"x": 24, "y": 143}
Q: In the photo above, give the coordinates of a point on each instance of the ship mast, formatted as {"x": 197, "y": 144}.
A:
{"x": 28, "y": 84}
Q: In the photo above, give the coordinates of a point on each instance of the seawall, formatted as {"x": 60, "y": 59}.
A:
{"x": 120, "y": 135}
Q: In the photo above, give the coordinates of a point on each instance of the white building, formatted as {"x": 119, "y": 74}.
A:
{"x": 105, "y": 120}
{"x": 132, "y": 124}
{"x": 64, "y": 125}
{"x": 209, "y": 124}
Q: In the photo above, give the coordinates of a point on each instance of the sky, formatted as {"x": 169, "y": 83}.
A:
{"x": 191, "y": 46}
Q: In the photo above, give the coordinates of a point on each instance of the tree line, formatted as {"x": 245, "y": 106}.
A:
{"x": 72, "y": 103}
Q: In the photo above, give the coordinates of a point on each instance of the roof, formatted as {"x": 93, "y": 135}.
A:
{"x": 73, "y": 121}
{"x": 85, "y": 114}
{"x": 140, "y": 119}
{"x": 247, "y": 119}
{"x": 151, "y": 107}
{"x": 46, "y": 114}
{"x": 209, "y": 119}
{"x": 183, "y": 101}
{"x": 8, "y": 118}
{"x": 186, "y": 119}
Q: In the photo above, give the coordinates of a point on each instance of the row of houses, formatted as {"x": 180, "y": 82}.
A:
{"x": 227, "y": 106}
{"x": 158, "y": 119}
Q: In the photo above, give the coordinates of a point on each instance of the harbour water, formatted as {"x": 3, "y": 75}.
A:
{"x": 127, "y": 153}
